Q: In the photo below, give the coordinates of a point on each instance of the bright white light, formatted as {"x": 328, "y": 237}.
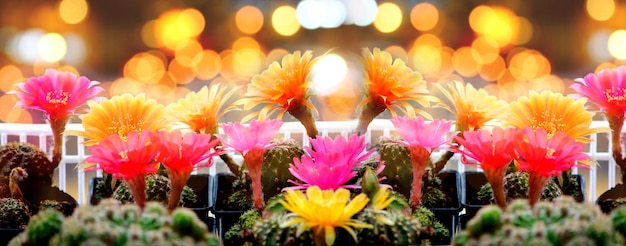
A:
{"x": 76, "y": 49}
{"x": 52, "y": 47}
{"x": 309, "y": 14}
{"x": 314, "y": 14}
{"x": 328, "y": 73}
{"x": 23, "y": 47}
{"x": 335, "y": 13}
{"x": 617, "y": 44}
{"x": 597, "y": 46}
{"x": 360, "y": 12}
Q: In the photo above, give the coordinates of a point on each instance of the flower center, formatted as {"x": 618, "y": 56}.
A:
{"x": 126, "y": 124}
{"x": 615, "y": 94}
{"x": 58, "y": 97}
{"x": 548, "y": 122}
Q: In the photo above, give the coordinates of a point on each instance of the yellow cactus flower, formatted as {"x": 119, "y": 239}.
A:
{"x": 120, "y": 115}
{"x": 473, "y": 108}
{"x": 324, "y": 211}
{"x": 201, "y": 110}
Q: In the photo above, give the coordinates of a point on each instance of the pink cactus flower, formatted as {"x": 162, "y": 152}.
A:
{"x": 492, "y": 151}
{"x": 130, "y": 160}
{"x": 330, "y": 164}
{"x": 181, "y": 154}
{"x": 422, "y": 139}
{"x": 544, "y": 156}
{"x": 607, "y": 90}
{"x": 251, "y": 141}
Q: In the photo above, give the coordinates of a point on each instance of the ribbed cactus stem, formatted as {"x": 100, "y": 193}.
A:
{"x": 254, "y": 163}
{"x": 419, "y": 160}
{"x": 536, "y": 183}
{"x": 178, "y": 181}
{"x": 137, "y": 187}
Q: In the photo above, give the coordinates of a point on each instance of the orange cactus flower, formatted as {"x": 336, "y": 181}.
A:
{"x": 200, "y": 111}
{"x": 473, "y": 108}
{"x": 285, "y": 88}
{"x": 553, "y": 112}
{"x": 120, "y": 115}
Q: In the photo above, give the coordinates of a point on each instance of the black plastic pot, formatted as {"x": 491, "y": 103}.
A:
{"x": 6, "y": 234}
{"x": 606, "y": 201}
{"x": 225, "y": 217}
{"x": 449, "y": 215}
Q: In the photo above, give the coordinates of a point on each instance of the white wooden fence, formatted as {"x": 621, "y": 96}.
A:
{"x": 76, "y": 182}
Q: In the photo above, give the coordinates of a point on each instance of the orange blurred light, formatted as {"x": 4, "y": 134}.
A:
{"x": 175, "y": 26}
{"x": 528, "y": 65}
{"x": 424, "y": 16}
{"x": 249, "y": 19}
{"x": 464, "y": 63}
{"x": 209, "y": 66}
{"x": 426, "y": 59}
{"x": 146, "y": 67}
{"x": 428, "y": 40}
{"x": 389, "y": 17}
{"x": 9, "y": 76}
{"x": 247, "y": 62}
{"x": 525, "y": 31}
{"x": 276, "y": 55}
{"x": 398, "y": 52}
{"x": 188, "y": 52}
{"x": 40, "y": 66}
{"x": 148, "y": 34}
{"x": 73, "y": 11}
{"x": 126, "y": 85}
{"x": 485, "y": 50}
{"x": 10, "y": 114}
{"x": 547, "y": 83}
{"x": 499, "y": 23}
{"x": 179, "y": 73}
{"x": 68, "y": 68}
{"x": 246, "y": 43}
{"x": 511, "y": 91}
{"x": 491, "y": 71}
{"x": 600, "y": 10}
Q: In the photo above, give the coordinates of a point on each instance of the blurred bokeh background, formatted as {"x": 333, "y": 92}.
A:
{"x": 166, "y": 48}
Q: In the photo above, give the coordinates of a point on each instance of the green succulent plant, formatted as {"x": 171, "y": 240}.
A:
{"x": 114, "y": 223}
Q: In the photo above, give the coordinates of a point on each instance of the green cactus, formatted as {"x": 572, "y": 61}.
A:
{"x": 276, "y": 167}
{"x": 113, "y": 223}
{"x": 30, "y": 158}
{"x": 391, "y": 227}
{"x": 236, "y": 235}
{"x": 560, "y": 222}
{"x": 268, "y": 232}
{"x": 516, "y": 186}
{"x": 241, "y": 196}
{"x": 13, "y": 213}
{"x": 398, "y": 168}
{"x": 157, "y": 189}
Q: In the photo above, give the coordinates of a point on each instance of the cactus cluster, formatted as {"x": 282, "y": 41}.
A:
{"x": 27, "y": 156}
{"x": 13, "y": 213}
{"x": 157, "y": 189}
{"x": 560, "y": 222}
{"x": 114, "y": 223}
{"x": 516, "y": 187}
{"x": 275, "y": 174}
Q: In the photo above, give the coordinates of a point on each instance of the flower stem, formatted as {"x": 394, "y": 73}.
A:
{"x": 496, "y": 180}
{"x": 137, "y": 187}
{"x": 536, "y": 183}
{"x": 58, "y": 127}
{"x": 371, "y": 110}
{"x": 304, "y": 115}
{"x": 254, "y": 163}
{"x": 616, "y": 124}
{"x": 419, "y": 160}
{"x": 178, "y": 181}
